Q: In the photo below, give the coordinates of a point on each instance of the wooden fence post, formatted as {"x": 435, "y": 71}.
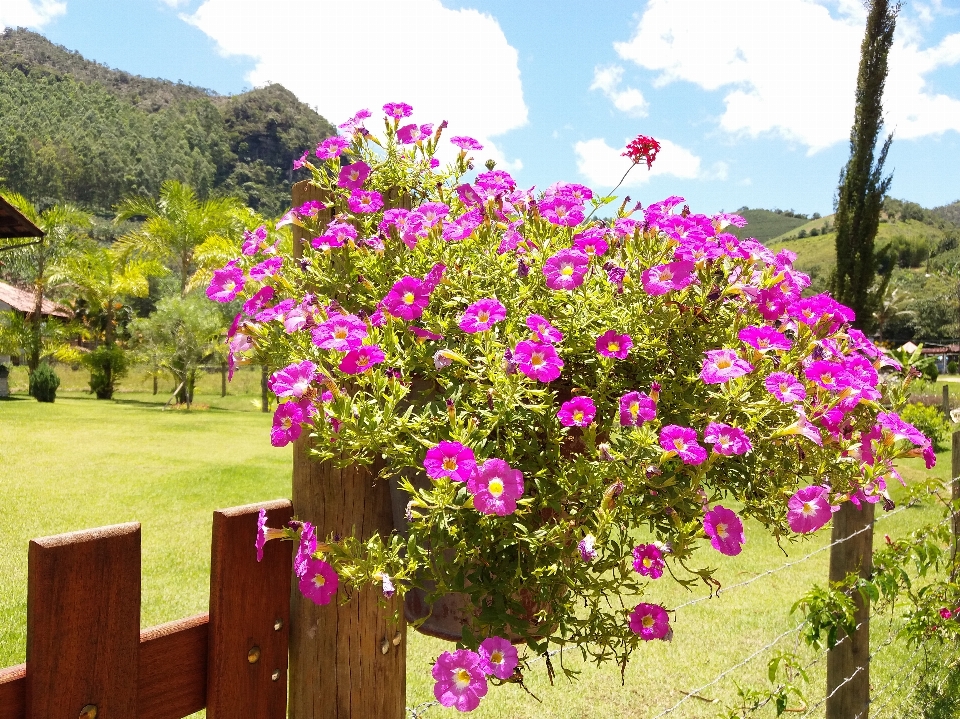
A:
{"x": 946, "y": 401}
{"x": 848, "y": 664}
{"x": 955, "y": 493}
{"x": 346, "y": 661}
{"x": 83, "y": 624}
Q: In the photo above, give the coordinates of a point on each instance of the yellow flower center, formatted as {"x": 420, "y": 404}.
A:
{"x": 647, "y": 622}
{"x": 462, "y": 678}
{"x": 286, "y": 423}
{"x": 567, "y": 270}
{"x": 613, "y": 347}
{"x": 340, "y": 333}
{"x": 409, "y": 298}
{"x": 826, "y": 378}
{"x": 497, "y": 657}
{"x": 229, "y": 285}
{"x": 483, "y": 316}
{"x": 808, "y": 509}
{"x": 666, "y": 275}
{"x": 319, "y": 580}
{"x": 784, "y": 387}
{"x": 495, "y": 487}
{"x": 635, "y": 409}
{"x": 722, "y": 531}
{"x": 724, "y": 363}
{"x": 679, "y": 445}
{"x": 647, "y": 562}
{"x": 763, "y": 343}
{"x": 578, "y": 415}
{"x": 354, "y": 175}
{"x": 449, "y": 463}
{"x": 536, "y": 359}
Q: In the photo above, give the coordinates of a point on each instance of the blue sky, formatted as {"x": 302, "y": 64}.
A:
{"x": 753, "y": 99}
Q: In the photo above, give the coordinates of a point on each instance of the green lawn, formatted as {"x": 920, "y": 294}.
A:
{"x": 84, "y": 463}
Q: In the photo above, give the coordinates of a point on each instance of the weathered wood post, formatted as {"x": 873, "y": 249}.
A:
{"x": 955, "y": 496}
{"x": 946, "y": 400}
{"x": 848, "y": 664}
{"x": 346, "y": 661}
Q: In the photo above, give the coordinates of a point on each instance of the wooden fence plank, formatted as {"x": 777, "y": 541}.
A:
{"x": 173, "y": 669}
{"x": 83, "y": 623}
{"x": 249, "y": 616}
{"x": 13, "y": 692}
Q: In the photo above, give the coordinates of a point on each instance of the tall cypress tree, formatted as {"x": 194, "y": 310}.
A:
{"x": 862, "y": 183}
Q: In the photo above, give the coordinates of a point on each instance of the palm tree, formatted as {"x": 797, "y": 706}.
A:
{"x": 893, "y": 304}
{"x": 103, "y": 278}
{"x": 35, "y": 263}
{"x": 175, "y": 225}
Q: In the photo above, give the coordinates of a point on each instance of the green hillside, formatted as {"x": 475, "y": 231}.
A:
{"x": 767, "y": 224}
{"x": 72, "y": 129}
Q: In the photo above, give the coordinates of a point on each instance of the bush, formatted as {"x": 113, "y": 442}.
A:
{"x": 107, "y": 365}
{"x": 43, "y": 383}
{"x": 930, "y": 421}
{"x": 952, "y": 367}
{"x": 802, "y": 234}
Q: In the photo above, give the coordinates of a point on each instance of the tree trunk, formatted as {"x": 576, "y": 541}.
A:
{"x": 223, "y": 379}
{"x": 155, "y": 388}
{"x": 180, "y": 377}
{"x": 36, "y": 321}
{"x": 347, "y": 661}
{"x": 852, "y": 657}
{"x": 264, "y": 390}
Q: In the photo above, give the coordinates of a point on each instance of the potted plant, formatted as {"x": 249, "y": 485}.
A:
{"x": 546, "y": 386}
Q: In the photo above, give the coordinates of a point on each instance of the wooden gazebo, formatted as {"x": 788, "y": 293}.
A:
{"x": 13, "y": 225}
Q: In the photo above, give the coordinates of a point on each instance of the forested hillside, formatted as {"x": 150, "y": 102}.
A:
{"x": 75, "y": 130}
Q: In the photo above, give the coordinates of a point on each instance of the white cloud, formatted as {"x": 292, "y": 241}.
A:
{"x": 453, "y": 65}
{"x": 30, "y": 13}
{"x": 629, "y": 100}
{"x": 603, "y": 166}
{"x": 789, "y": 66}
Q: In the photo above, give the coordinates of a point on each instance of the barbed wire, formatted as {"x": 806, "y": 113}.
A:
{"x": 874, "y": 699}
{"x": 421, "y": 709}
{"x": 719, "y": 677}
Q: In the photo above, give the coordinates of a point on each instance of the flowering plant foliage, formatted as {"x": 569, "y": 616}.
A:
{"x": 543, "y": 384}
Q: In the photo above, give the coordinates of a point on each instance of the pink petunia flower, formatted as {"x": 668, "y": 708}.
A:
{"x": 498, "y": 657}
{"x": 286, "y": 424}
{"x": 590, "y": 242}
{"x": 565, "y": 270}
{"x": 354, "y": 175}
{"x": 831, "y": 376}
{"x": 424, "y": 334}
{"x": 305, "y": 549}
{"x": 727, "y": 440}
{"x": 466, "y": 143}
{"x": 226, "y": 284}
{"x": 407, "y": 299}
{"x": 397, "y": 110}
{"x": 450, "y": 459}
{"x": 668, "y": 277}
{"x": 265, "y": 269}
{"x": 636, "y": 408}
{"x": 537, "y": 360}
{"x": 650, "y": 621}
{"x": 543, "y": 330}
{"x": 945, "y": 613}
{"x": 337, "y": 234}
{"x": 410, "y": 134}
{"x": 256, "y": 303}
{"x": 254, "y": 241}
{"x": 360, "y": 360}
{"x": 808, "y": 509}
{"x": 433, "y": 277}
{"x": 682, "y": 441}
{"x": 648, "y": 560}
{"x": 365, "y": 201}
{"x": 725, "y": 530}
{"x": 319, "y": 582}
{"x": 482, "y": 315}
{"x": 764, "y": 338}
{"x": 496, "y": 487}
{"x": 785, "y": 387}
{"x": 293, "y": 380}
{"x": 460, "y": 228}
{"x": 460, "y": 680}
{"x": 341, "y": 333}
{"x": 586, "y": 548}
{"x": 562, "y": 212}
{"x": 612, "y": 344}
{"x": 433, "y": 213}
{"x": 265, "y": 533}
{"x": 332, "y": 147}
{"x": 577, "y": 412}
{"x": 721, "y": 366}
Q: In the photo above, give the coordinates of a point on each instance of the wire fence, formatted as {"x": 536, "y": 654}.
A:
{"x": 421, "y": 709}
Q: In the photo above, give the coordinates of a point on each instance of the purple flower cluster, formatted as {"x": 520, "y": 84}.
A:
{"x": 461, "y": 676}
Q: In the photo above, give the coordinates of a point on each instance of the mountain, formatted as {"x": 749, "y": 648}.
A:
{"x": 75, "y": 130}
{"x": 763, "y": 225}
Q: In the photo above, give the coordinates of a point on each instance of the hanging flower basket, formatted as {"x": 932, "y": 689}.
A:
{"x": 546, "y": 376}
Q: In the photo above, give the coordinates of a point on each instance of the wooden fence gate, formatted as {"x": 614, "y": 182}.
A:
{"x": 88, "y": 658}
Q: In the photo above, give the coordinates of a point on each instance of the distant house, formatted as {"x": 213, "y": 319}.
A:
{"x": 18, "y": 300}
{"x": 14, "y": 225}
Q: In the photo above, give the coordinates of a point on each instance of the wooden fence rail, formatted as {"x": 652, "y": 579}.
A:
{"x": 88, "y": 658}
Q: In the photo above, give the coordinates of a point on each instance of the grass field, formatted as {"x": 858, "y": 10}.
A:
{"x": 84, "y": 463}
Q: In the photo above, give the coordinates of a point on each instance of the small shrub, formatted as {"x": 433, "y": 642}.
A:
{"x": 802, "y": 234}
{"x": 43, "y": 383}
{"x": 930, "y": 421}
{"x": 814, "y": 232}
{"x": 952, "y": 367}
{"x": 107, "y": 365}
